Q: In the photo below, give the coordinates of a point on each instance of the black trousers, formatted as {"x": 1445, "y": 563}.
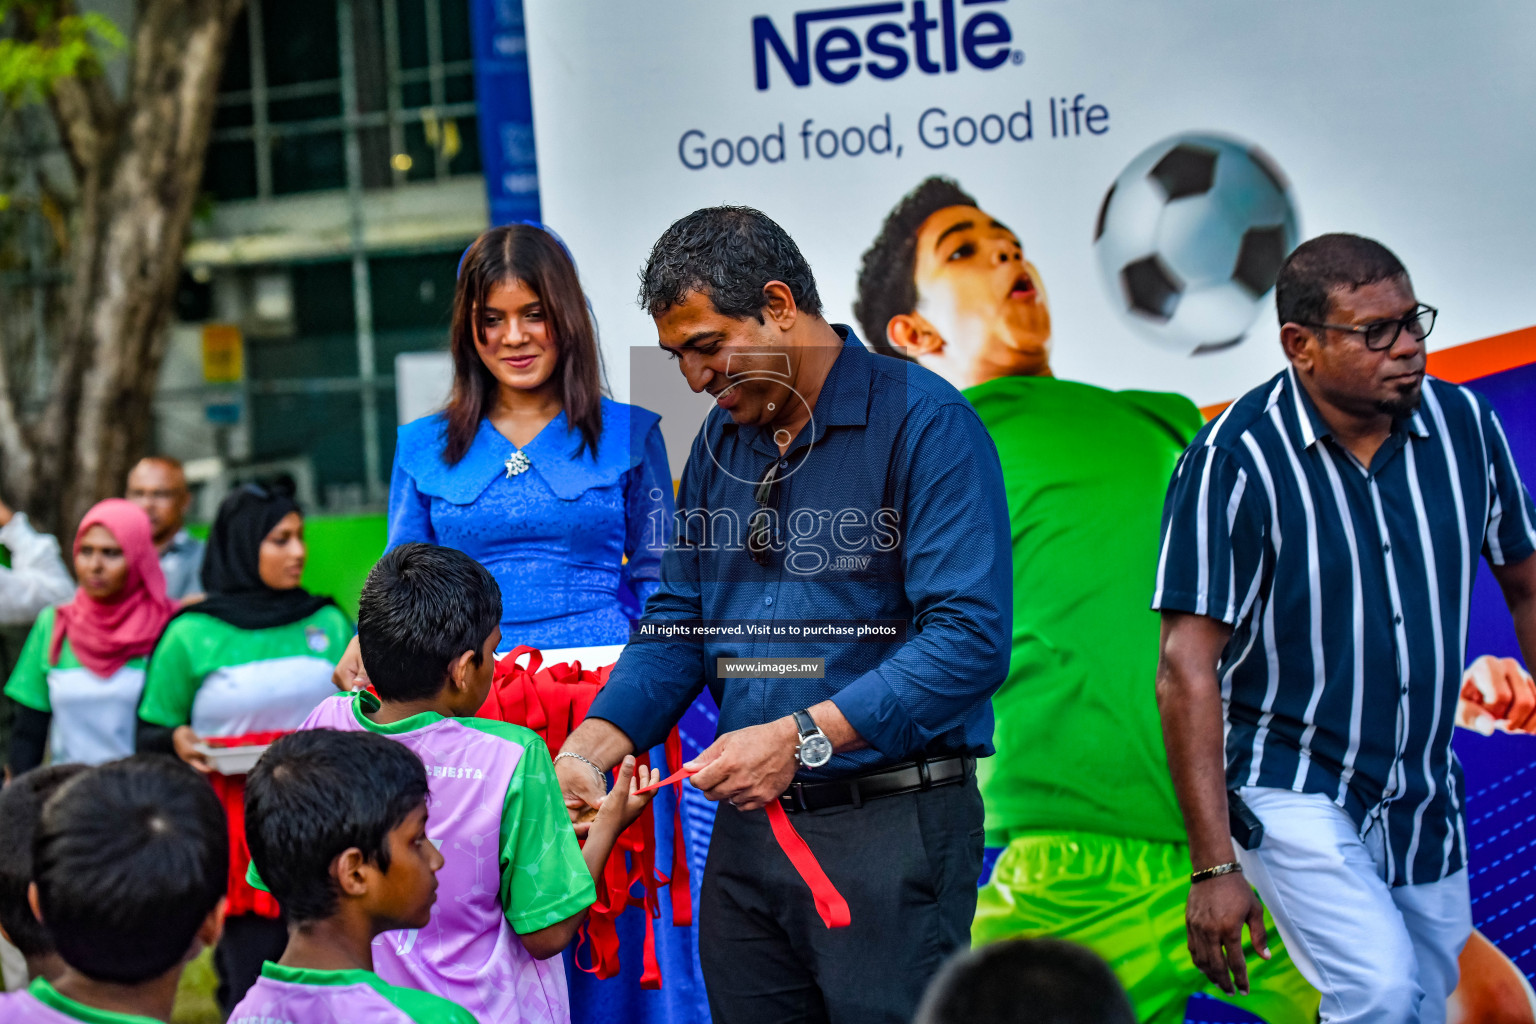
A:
{"x": 249, "y": 940}
{"x": 908, "y": 867}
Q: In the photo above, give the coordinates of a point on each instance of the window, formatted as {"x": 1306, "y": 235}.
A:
{"x": 282, "y": 122}
{"x": 324, "y": 109}
{"x": 306, "y": 398}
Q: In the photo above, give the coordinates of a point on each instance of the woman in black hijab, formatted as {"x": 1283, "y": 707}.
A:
{"x": 238, "y": 593}
{"x": 241, "y": 667}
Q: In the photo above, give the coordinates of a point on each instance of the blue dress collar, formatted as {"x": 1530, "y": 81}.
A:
{"x": 552, "y": 453}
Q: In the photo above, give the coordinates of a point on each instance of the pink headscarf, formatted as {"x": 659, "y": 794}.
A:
{"x": 106, "y": 634}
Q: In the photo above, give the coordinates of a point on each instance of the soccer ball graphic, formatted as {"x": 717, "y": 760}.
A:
{"x": 1190, "y": 239}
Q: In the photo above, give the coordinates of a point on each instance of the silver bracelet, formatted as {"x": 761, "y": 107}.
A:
{"x": 602, "y": 776}
{"x": 1216, "y": 872}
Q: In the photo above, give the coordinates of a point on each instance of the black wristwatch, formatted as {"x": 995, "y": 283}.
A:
{"x": 813, "y": 748}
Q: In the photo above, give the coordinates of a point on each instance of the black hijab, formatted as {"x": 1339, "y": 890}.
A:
{"x": 231, "y": 578}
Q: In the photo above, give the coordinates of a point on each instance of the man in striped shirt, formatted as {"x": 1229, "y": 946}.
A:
{"x": 1320, "y": 541}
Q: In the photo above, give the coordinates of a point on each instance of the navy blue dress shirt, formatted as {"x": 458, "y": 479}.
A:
{"x": 1347, "y": 588}
{"x": 891, "y": 509}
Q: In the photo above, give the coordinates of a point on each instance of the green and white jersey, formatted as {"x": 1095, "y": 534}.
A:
{"x": 92, "y": 716}
{"x": 41, "y": 1003}
{"x": 227, "y": 681}
{"x": 511, "y": 863}
{"x": 294, "y": 995}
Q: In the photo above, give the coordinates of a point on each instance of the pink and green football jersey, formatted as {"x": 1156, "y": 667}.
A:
{"x": 41, "y": 1003}
{"x": 511, "y": 864}
{"x": 293, "y": 995}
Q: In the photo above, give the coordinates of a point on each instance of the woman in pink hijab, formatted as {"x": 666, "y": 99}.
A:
{"x": 81, "y": 672}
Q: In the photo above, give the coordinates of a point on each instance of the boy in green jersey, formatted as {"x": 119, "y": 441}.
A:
{"x": 337, "y": 825}
{"x": 129, "y": 865}
{"x": 1079, "y": 792}
{"x": 515, "y": 885}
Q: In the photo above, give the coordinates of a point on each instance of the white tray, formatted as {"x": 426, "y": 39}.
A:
{"x": 231, "y": 760}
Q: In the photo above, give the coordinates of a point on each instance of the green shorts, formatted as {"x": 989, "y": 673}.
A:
{"x": 1124, "y": 899}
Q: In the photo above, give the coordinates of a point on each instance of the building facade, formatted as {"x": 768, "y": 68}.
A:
{"x": 343, "y": 181}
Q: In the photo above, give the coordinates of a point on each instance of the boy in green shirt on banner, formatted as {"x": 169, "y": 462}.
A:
{"x": 128, "y": 878}
{"x": 337, "y": 826}
{"x": 1079, "y": 791}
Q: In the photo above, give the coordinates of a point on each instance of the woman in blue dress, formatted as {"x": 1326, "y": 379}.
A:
{"x": 566, "y": 497}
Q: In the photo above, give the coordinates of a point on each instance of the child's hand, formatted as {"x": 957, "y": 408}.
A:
{"x": 622, "y": 805}
{"x": 184, "y": 742}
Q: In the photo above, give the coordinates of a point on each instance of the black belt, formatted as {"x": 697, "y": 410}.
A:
{"x": 907, "y": 777}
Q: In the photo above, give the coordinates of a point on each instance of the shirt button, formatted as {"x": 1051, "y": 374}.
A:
{"x": 1386, "y": 547}
{"x": 783, "y": 463}
{"x": 1405, "y": 691}
{"x": 768, "y": 600}
{"x": 1397, "y": 620}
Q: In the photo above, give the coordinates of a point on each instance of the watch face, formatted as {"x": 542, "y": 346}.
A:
{"x": 815, "y": 750}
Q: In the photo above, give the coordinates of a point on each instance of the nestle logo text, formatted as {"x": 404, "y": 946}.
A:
{"x": 932, "y": 42}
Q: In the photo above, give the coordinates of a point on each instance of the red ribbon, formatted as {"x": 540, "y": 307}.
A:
{"x": 829, "y": 902}
{"x": 552, "y": 700}
{"x": 675, "y": 779}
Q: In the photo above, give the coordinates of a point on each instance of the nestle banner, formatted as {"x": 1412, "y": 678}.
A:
{"x": 1156, "y": 162}
{"x": 1404, "y": 121}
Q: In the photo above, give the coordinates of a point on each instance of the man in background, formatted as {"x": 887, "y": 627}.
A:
{"x": 1079, "y": 792}
{"x": 1315, "y": 677}
{"x": 158, "y": 485}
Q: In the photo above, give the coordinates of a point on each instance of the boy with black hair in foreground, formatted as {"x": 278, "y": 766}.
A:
{"x": 1026, "y": 981}
{"x": 515, "y": 885}
{"x": 129, "y": 869}
{"x": 337, "y": 826}
{"x": 21, "y": 805}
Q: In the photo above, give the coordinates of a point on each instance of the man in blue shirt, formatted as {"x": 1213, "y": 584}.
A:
{"x": 158, "y": 485}
{"x": 846, "y": 511}
{"x": 1321, "y": 539}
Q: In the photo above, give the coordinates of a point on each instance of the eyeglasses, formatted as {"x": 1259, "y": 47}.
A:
{"x": 1380, "y": 335}
{"x": 760, "y": 525}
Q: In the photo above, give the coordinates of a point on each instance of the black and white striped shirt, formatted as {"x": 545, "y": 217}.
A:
{"x": 1347, "y": 588}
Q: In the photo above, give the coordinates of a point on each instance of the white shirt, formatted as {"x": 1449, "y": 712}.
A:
{"x": 36, "y": 578}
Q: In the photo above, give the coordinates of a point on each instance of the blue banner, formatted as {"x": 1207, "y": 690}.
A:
{"x": 506, "y": 110}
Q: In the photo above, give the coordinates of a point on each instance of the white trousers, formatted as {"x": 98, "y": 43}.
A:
{"x": 1377, "y": 953}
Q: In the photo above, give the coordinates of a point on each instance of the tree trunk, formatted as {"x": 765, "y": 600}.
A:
{"x": 138, "y": 163}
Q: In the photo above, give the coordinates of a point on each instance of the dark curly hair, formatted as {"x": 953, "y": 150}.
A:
{"x": 317, "y": 793}
{"x": 129, "y": 859}
{"x": 1304, "y": 289}
{"x": 886, "y": 284}
{"x": 728, "y": 253}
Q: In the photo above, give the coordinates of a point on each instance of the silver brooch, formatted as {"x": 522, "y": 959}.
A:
{"x": 517, "y": 463}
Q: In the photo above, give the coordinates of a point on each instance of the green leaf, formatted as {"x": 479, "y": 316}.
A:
{"x": 65, "y": 47}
